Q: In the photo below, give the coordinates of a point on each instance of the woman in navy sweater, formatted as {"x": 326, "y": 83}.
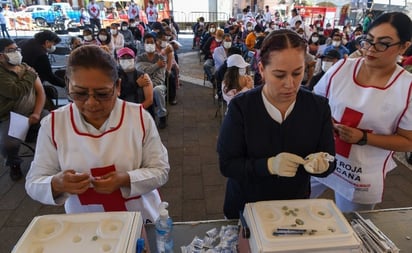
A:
{"x": 275, "y": 136}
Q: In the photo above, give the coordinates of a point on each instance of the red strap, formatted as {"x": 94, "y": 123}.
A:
{"x": 111, "y": 202}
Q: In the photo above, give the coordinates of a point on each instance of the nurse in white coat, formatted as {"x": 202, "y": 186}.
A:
{"x": 98, "y": 153}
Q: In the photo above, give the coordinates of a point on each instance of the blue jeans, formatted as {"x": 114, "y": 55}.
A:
{"x": 4, "y": 31}
{"x": 159, "y": 95}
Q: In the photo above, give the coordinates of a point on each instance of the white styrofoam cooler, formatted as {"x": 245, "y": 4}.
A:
{"x": 333, "y": 232}
{"x": 114, "y": 232}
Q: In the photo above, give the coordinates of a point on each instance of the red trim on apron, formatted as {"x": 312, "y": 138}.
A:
{"x": 142, "y": 123}
{"x": 100, "y": 135}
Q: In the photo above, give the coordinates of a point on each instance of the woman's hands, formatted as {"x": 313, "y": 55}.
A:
{"x": 348, "y": 134}
{"x": 69, "y": 181}
{"x": 111, "y": 181}
{"x": 72, "y": 182}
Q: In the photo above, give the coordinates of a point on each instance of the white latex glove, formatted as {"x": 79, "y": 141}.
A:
{"x": 284, "y": 164}
{"x": 317, "y": 163}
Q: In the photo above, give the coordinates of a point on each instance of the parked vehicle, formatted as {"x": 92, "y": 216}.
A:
{"x": 56, "y": 11}
{"x": 32, "y": 8}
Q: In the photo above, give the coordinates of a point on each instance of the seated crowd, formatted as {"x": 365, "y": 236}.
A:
{"x": 325, "y": 46}
{"x": 147, "y": 65}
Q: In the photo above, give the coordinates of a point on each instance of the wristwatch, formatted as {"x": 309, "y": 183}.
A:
{"x": 364, "y": 139}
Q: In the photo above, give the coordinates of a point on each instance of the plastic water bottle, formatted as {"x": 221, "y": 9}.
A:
{"x": 164, "y": 227}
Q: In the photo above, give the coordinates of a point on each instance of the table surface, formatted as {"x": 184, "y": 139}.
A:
{"x": 395, "y": 223}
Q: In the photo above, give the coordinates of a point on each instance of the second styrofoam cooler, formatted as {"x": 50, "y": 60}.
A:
{"x": 331, "y": 231}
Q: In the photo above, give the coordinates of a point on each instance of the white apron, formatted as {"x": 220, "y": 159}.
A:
{"x": 361, "y": 170}
{"x": 84, "y": 153}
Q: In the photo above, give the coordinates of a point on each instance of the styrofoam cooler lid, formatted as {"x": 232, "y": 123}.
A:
{"x": 326, "y": 226}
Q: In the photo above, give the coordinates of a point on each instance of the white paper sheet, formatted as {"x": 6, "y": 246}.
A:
{"x": 19, "y": 126}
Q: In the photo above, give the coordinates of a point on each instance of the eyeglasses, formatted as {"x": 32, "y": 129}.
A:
{"x": 379, "y": 46}
{"x": 12, "y": 50}
{"x": 99, "y": 96}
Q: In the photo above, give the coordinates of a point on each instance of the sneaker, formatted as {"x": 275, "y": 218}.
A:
{"x": 162, "y": 122}
{"x": 173, "y": 102}
{"x": 15, "y": 172}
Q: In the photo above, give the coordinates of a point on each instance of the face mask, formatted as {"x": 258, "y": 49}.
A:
{"x": 51, "y": 49}
{"x": 124, "y": 28}
{"x": 227, "y": 44}
{"x": 301, "y": 35}
{"x": 168, "y": 38}
{"x": 326, "y": 65}
{"x": 212, "y": 30}
{"x": 201, "y": 23}
{"x": 132, "y": 24}
{"x": 113, "y": 31}
{"x": 163, "y": 44}
{"x": 249, "y": 28}
{"x": 102, "y": 37}
{"x": 14, "y": 58}
{"x": 126, "y": 64}
{"x": 320, "y": 32}
{"x": 242, "y": 71}
{"x": 88, "y": 38}
{"x": 336, "y": 43}
{"x": 149, "y": 48}
{"x": 218, "y": 40}
{"x": 315, "y": 39}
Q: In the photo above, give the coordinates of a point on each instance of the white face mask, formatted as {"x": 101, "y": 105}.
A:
{"x": 249, "y": 28}
{"x": 218, "y": 40}
{"x": 88, "y": 38}
{"x": 227, "y": 44}
{"x": 149, "y": 48}
{"x": 124, "y": 28}
{"x": 168, "y": 38}
{"x": 320, "y": 32}
{"x": 132, "y": 24}
{"x": 201, "y": 23}
{"x": 126, "y": 64}
{"x": 113, "y": 31}
{"x": 242, "y": 71}
{"x": 315, "y": 39}
{"x": 51, "y": 49}
{"x": 163, "y": 44}
{"x": 102, "y": 37}
{"x": 326, "y": 65}
{"x": 212, "y": 30}
{"x": 14, "y": 58}
{"x": 336, "y": 43}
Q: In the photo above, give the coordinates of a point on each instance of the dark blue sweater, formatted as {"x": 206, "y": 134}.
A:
{"x": 249, "y": 136}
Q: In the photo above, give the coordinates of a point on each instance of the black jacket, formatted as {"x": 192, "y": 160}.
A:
{"x": 35, "y": 55}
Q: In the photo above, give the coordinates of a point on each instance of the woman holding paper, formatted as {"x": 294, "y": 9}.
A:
{"x": 99, "y": 153}
{"x": 21, "y": 92}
